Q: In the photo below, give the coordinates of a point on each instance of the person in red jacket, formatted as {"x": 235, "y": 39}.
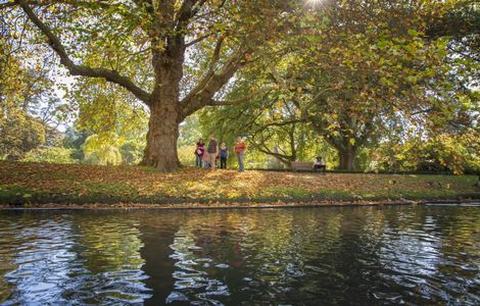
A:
{"x": 199, "y": 151}
{"x": 240, "y": 148}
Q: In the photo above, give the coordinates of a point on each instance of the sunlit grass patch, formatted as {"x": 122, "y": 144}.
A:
{"x": 50, "y": 183}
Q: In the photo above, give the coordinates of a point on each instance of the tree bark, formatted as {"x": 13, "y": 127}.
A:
{"x": 165, "y": 116}
{"x": 161, "y": 149}
{"x": 347, "y": 157}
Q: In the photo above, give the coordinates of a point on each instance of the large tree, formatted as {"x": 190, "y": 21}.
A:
{"x": 355, "y": 70}
{"x": 364, "y": 65}
{"x": 174, "y": 56}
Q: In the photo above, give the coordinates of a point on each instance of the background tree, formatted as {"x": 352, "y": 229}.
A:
{"x": 30, "y": 109}
{"x": 268, "y": 119}
{"x": 361, "y": 70}
{"x": 19, "y": 132}
{"x": 357, "y": 70}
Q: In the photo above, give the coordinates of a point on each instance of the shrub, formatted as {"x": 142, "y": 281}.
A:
{"x": 102, "y": 150}
{"x": 57, "y": 155}
{"x": 186, "y": 155}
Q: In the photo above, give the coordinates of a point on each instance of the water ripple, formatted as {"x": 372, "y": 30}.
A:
{"x": 394, "y": 255}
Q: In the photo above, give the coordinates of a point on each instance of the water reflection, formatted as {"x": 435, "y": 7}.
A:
{"x": 111, "y": 246}
{"x": 194, "y": 274}
{"x": 43, "y": 259}
{"x": 109, "y": 249}
{"x": 395, "y": 255}
{"x": 64, "y": 257}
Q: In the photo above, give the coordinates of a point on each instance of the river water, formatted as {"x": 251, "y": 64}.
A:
{"x": 306, "y": 256}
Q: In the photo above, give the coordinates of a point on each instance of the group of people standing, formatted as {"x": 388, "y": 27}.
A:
{"x": 206, "y": 156}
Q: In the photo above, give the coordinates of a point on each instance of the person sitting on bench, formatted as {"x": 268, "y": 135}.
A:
{"x": 319, "y": 164}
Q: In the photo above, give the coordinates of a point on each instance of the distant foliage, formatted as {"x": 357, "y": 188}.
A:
{"x": 458, "y": 153}
{"x": 186, "y": 155}
{"x": 190, "y": 131}
{"x": 19, "y": 133}
{"x": 132, "y": 151}
{"x": 114, "y": 123}
{"x": 443, "y": 153}
{"x": 74, "y": 139}
{"x": 102, "y": 150}
{"x": 30, "y": 110}
{"x": 57, "y": 155}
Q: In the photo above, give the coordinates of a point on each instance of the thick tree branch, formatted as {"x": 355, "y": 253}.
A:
{"x": 321, "y": 130}
{"x": 198, "y": 39}
{"x": 211, "y": 69}
{"x": 203, "y": 93}
{"x": 188, "y": 9}
{"x": 285, "y": 159}
{"x": 81, "y": 70}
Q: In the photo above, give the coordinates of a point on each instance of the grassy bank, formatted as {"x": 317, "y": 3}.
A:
{"x": 33, "y": 183}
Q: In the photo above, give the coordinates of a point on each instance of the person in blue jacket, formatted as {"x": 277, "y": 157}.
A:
{"x": 223, "y": 156}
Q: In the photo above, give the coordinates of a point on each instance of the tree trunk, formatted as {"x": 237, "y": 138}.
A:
{"x": 347, "y": 158}
{"x": 161, "y": 149}
{"x": 165, "y": 113}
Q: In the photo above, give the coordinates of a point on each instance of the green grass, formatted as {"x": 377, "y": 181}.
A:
{"x": 34, "y": 183}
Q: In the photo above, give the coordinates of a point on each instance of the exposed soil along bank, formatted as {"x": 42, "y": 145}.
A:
{"x": 53, "y": 185}
{"x": 220, "y": 205}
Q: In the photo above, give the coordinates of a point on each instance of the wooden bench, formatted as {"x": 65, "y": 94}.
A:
{"x": 297, "y": 165}
{"x": 306, "y": 166}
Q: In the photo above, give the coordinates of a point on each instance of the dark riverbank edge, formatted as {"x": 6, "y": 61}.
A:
{"x": 239, "y": 205}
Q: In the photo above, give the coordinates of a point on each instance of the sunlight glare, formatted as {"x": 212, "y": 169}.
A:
{"x": 315, "y": 3}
